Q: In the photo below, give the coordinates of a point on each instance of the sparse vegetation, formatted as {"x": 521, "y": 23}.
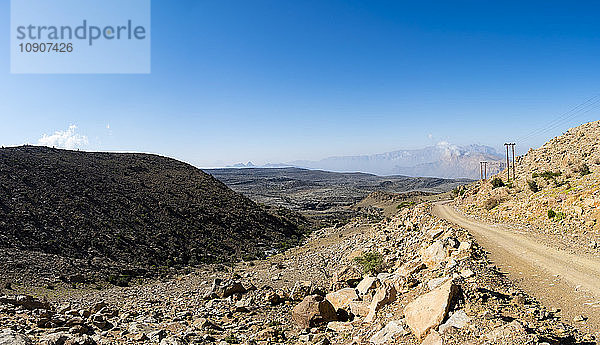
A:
{"x": 533, "y": 186}
{"x": 497, "y": 182}
{"x": 459, "y": 191}
{"x": 122, "y": 280}
{"x": 557, "y": 216}
{"x": 405, "y": 204}
{"x": 547, "y": 175}
{"x": 370, "y": 262}
{"x": 231, "y": 339}
{"x": 550, "y": 176}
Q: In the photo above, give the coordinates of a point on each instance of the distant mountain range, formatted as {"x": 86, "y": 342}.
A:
{"x": 442, "y": 160}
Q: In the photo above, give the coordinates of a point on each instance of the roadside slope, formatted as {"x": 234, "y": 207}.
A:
{"x": 559, "y": 279}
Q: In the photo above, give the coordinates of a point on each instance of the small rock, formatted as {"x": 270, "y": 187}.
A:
{"x": 433, "y": 283}
{"x": 387, "y": 333}
{"x": 467, "y": 273}
{"x": 300, "y": 290}
{"x": 339, "y": 327}
{"x": 433, "y": 338}
{"x": 457, "y": 320}
{"x": 341, "y": 299}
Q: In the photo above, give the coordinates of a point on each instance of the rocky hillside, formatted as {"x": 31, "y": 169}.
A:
{"x": 137, "y": 209}
{"x": 417, "y": 280}
{"x": 556, "y": 189}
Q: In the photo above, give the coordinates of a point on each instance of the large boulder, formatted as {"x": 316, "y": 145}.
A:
{"x": 434, "y": 255}
{"x": 385, "y": 294}
{"x": 410, "y": 268}
{"x": 366, "y": 285}
{"x": 224, "y": 289}
{"x": 341, "y": 299}
{"x": 428, "y": 311}
{"x": 25, "y": 301}
{"x": 10, "y": 337}
{"x": 313, "y": 311}
{"x": 359, "y": 308}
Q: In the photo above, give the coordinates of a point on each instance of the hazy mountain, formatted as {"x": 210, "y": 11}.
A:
{"x": 242, "y": 165}
{"x": 442, "y": 160}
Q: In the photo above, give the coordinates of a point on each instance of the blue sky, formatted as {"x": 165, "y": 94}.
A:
{"x": 274, "y": 81}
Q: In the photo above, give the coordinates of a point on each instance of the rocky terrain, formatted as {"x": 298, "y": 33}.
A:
{"x": 322, "y": 194}
{"x": 556, "y": 191}
{"x": 410, "y": 279}
{"x": 78, "y": 216}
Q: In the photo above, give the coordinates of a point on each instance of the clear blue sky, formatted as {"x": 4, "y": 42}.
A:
{"x": 273, "y": 81}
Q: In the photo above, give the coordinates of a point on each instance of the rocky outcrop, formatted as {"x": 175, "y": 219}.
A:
{"x": 314, "y": 310}
{"x": 386, "y": 334}
{"x": 429, "y": 310}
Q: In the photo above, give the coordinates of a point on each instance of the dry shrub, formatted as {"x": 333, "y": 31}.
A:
{"x": 491, "y": 203}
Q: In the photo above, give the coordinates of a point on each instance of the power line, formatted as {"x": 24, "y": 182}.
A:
{"x": 573, "y": 116}
{"x": 589, "y": 105}
{"x": 568, "y": 114}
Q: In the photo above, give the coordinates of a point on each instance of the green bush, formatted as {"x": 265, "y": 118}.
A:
{"x": 370, "y": 262}
{"x": 550, "y": 175}
{"x": 459, "y": 191}
{"x": 533, "y": 186}
{"x": 404, "y": 204}
{"x": 497, "y": 182}
{"x": 231, "y": 339}
{"x": 557, "y": 216}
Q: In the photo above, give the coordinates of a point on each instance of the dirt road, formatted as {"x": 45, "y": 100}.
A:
{"x": 556, "y": 278}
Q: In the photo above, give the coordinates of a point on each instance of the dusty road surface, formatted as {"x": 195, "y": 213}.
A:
{"x": 558, "y": 279}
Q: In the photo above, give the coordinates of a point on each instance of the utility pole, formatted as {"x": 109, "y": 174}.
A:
{"x": 485, "y": 170}
{"x": 480, "y": 171}
{"x": 514, "y": 167}
{"x": 507, "y": 163}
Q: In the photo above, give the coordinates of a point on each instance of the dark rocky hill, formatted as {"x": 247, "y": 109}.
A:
{"x": 139, "y": 209}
